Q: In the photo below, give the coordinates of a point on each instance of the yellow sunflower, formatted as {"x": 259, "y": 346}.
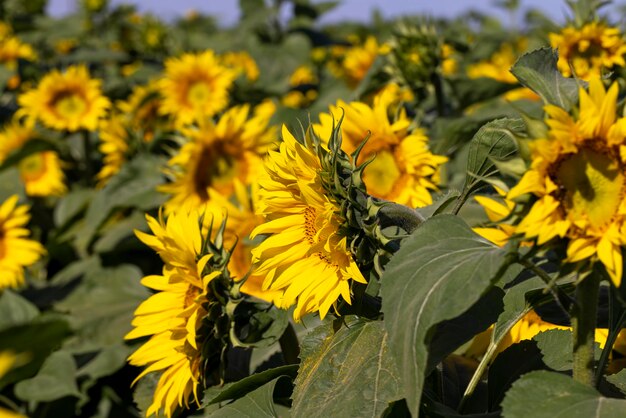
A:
{"x": 578, "y": 178}
{"x": 589, "y": 50}
{"x": 66, "y": 101}
{"x": 305, "y": 257}
{"x": 16, "y": 250}
{"x": 41, "y": 173}
{"x": 358, "y": 60}
{"x": 141, "y": 110}
{"x": 195, "y": 86}
{"x": 173, "y": 316}
{"x": 497, "y": 210}
{"x": 216, "y": 155}
{"x": 12, "y": 50}
{"x": 403, "y": 170}
{"x": 498, "y": 67}
{"x": 242, "y": 63}
{"x": 113, "y": 146}
{"x": 242, "y": 219}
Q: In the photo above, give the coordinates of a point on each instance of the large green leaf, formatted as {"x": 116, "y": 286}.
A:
{"x": 495, "y": 141}
{"x": 537, "y": 70}
{"x": 351, "y": 374}
{"x": 543, "y": 394}
{"x": 15, "y": 310}
{"x": 101, "y": 308}
{"x": 55, "y": 380}
{"x": 257, "y": 404}
{"x": 440, "y": 271}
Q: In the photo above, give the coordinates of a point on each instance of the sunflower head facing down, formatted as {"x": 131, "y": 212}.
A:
{"x": 577, "y": 179}
{"x": 403, "y": 169}
{"x": 69, "y": 100}
{"x": 195, "y": 86}
{"x": 17, "y": 251}
{"x": 185, "y": 318}
{"x": 217, "y": 154}
{"x": 585, "y": 52}
{"x": 305, "y": 256}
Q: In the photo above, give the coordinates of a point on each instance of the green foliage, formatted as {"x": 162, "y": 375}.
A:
{"x": 438, "y": 273}
{"x": 560, "y": 396}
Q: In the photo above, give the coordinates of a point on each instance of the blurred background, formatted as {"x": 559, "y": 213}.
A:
{"x": 227, "y": 12}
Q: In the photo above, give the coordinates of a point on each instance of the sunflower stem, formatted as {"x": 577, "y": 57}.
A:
{"x": 614, "y": 331}
{"x": 584, "y": 319}
{"x": 87, "y": 151}
{"x": 289, "y": 345}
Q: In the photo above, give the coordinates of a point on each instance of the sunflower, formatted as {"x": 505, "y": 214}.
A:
{"x": 403, "y": 170}
{"x": 497, "y": 211}
{"x": 498, "y": 66}
{"x": 141, "y": 110}
{"x": 578, "y": 179}
{"x": 9, "y": 360}
{"x": 195, "y": 86}
{"x": 584, "y": 52}
{"x": 173, "y": 316}
{"x": 12, "y": 50}
{"x": 242, "y": 219}
{"x": 242, "y": 63}
{"x": 216, "y": 155}
{"x": 66, "y": 101}
{"x": 305, "y": 257}
{"x": 16, "y": 250}
{"x": 358, "y": 60}
{"x": 41, "y": 172}
{"x": 113, "y": 146}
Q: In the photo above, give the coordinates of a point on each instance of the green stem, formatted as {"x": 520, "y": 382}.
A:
{"x": 614, "y": 331}
{"x": 439, "y": 96}
{"x": 87, "y": 150}
{"x": 549, "y": 281}
{"x": 289, "y": 345}
{"x": 584, "y": 317}
{"x": 460, "y": 201}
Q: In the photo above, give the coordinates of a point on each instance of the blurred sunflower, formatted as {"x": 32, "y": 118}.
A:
{"x": 586, "y": 51}
{"x": 305, "y": 257}
{"x": 403, "y": 170}
{"x": 9, "y": 360}
{"x": 578, "y": 181}
{"x": 141, "y": 110}
{"x": 173, "y": 316}
{"x": 242, "y": 219}
{"x": 216, "y": 155}
{"x": 66, "y": 101}
{"x": 113, "y": 146}
{"x": 40, "y": 172}
{"x": 12, "y": 50}
{"x": 195, "y": 86}
{"x": 16, "y": 250}
{"x": 497, "y": 68}
{"x": 242, "y": 63}
{"x": 358, "y": 60}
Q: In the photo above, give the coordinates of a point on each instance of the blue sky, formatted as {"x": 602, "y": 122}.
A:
{"x": 227, "y": 10}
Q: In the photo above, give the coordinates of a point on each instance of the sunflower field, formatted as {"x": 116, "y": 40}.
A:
{"x": 283, "y": 218}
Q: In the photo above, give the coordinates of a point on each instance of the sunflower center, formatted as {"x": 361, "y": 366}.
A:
{"x": 198, "y": 94}
{"x": 70, "y": 106}
{"x": 32, "y": 167}
{"x": 216, "y": 168}
{"x": 592, "y": 183}
{"x": 381, "y": 175}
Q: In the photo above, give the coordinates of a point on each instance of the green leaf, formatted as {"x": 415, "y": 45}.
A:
{"x": 55, "y": 380}
{"x": 101, "y": 308}
{"x": 144, "y": 393}
{"x": 537, "y": 70}
{"x": 134, "y": 186}
{"x": 257, "y": 404}
{"x": 618, "y": 380}
{"x": 71, "y": 205}
{"x": 543, "y": 394}
{"x": 15, "y": 310}
{"x": 440, "y": 272}
{"x": 494, "y": 141}
{"x": 350, "y": 374}
{"x": 259, "y": 324}
{"x": 35, "y": 340}
{"x": 246, "y": 385}
{"x": 516, "y": 306}
{"x": 469, "y": 91}
{"x": 556, "y": 348}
